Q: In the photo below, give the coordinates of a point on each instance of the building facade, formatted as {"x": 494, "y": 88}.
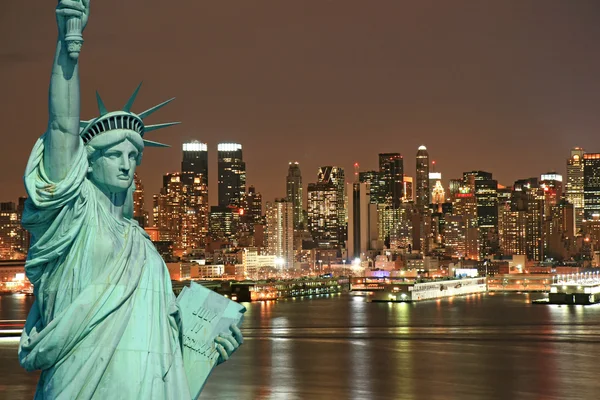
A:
{"x": 280, "y": 232}
{"x": 294, "y": 193}
{"x": 232, "y": 174}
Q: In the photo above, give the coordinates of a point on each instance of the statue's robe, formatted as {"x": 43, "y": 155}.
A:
{"x": 104, "y": 323}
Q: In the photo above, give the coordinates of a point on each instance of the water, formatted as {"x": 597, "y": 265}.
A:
{"x": 495, "y": 346}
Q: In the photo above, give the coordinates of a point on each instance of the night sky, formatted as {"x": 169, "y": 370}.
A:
{"x": 507, "y": 87}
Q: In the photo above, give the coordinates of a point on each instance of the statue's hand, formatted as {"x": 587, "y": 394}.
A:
{"x": 228, "y": 343}
{"x": 71, "y": 8}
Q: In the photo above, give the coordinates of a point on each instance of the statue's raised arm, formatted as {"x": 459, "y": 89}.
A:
{"x": 62, "y": 139}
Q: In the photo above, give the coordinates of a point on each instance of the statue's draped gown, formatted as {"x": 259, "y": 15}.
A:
{"x": 104, "y": 324}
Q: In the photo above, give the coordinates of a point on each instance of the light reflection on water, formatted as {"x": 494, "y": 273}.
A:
{"x": 477, "y": 347}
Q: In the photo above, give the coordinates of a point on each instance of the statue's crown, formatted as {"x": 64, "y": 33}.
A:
{"x": 122, "y": 119}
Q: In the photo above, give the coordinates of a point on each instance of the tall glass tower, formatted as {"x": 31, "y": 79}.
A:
{"x": 391, "y": 170}
{"x": 294, "y": 191}
{"x": 422, "y": 189}
{"x": 232, "y": 174}
{"x": 195, "y": 160}
{"x": 574, "y": 185}
{"x": 591, "y": 185}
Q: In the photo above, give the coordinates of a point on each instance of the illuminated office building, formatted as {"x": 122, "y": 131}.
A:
{"x": 574, "y": 186}
{"x": 591, "y": 186}
{"x": 552, "y": 187}
{"x": 195, "y": 161}
{"x": 422, "y": 182}
{"x": 11, "y": 232}
{"x": 280, "y": 232}
{"x": 139, "y": 210}
{"x": 323, "y": 215}
{"x": 408, "y": 189}
{"x": 375, "y": 186}
{"x": 331, "y": 175}
{"x": 224, "y": 222}
{"x": 391, "y": 173}
{"x": 485, "y": 190}
{"x": 461, "y": 234}
{"x": 294, "y": 192}
{"x": 232, "y": 174}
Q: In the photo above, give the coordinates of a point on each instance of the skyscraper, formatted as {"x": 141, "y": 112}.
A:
{"x": 423, "y": 214}
{"x": 486, "y": 193}
{"x": 591, "y": 185}
{"x": 461, "y": 226}
{"x": 391, "y": 173}
{"x": 408, "y": 188}
{"x": 362, "y": 220}
{"x": 332, "y": 175}
{"x": 280, "y": 231}
{"x": 375, "y": 186}
{"x": 139, "y": 211}
{"x": 11, "y": 233}
{"x": 181, "y": 211}
{"x": 232, "y": 174}
{"x": 323, "y": 215}
{"x": 195, "y": 160}
{"x": 422, "y": 189}
{"x": 574, "y": 186}
{"x": 294, "y": 192}
{"x": 252, "y": 205}
{"x": 551, "y": 185}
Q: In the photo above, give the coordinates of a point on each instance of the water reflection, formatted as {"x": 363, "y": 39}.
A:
{"x": 480, "y": 347}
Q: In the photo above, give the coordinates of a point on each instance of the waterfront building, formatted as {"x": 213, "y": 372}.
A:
{"x": 280, "y": 232}
{"x": 591, "y": 185}
{"x": 294, "y": 192}
{"x": 232, "y": 174}
{"x": 11, "y": 233}
{"x": 253, "y": 261}
{"x": 574, "y": 192}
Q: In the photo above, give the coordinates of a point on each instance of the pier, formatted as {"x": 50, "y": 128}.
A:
{"x": 582, "y": 288}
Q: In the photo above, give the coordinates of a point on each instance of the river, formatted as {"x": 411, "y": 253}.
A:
{"x": 481, "y": 347}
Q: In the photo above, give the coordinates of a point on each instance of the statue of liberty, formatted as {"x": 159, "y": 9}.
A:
{"x": 105, "y": 324}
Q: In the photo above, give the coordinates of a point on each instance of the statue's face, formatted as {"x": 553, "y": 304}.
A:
{"x": 113, "y": 170}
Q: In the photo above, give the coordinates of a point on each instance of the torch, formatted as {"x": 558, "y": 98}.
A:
{"x": 73, "y": 37}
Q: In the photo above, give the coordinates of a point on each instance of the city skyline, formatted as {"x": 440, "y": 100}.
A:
{"x": 522, "y": 88}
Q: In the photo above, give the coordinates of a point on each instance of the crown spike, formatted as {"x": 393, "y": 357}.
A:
{"x": 132, "y": 98}
{"x": 150, "y": 143}
{"x": 101, "y": 107}
{"x": 148, "y": 128}
{"x": 155, "y": 108}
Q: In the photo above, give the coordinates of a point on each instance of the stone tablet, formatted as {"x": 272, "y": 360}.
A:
{"x": 204, "y": 315}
